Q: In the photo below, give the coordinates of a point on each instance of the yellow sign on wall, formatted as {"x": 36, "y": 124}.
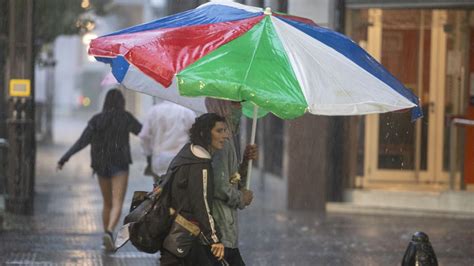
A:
{"x": 20, "y": 88}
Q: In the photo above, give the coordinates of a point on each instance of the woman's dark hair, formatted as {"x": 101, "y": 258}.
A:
{"x": 114, "y": 100}
{"x": 200, "y": 132}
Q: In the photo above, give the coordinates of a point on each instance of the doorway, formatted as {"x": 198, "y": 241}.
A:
{"x": 424, "y": 49}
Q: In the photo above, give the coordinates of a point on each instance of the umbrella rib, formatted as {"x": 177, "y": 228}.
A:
{"x": 253, "y": 57}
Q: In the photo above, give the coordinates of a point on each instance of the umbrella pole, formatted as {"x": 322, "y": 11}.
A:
{"x": 252, "y": 141}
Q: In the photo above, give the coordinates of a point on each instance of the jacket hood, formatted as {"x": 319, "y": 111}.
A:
{"x": 190, "y": 154}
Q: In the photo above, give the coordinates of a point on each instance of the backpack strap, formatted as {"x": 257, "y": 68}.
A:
{"x": 167, "y": 179}
{"x": 162, "y": 184}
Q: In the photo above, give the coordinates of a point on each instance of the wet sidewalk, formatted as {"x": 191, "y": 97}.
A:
{"x": 66, "y": 227}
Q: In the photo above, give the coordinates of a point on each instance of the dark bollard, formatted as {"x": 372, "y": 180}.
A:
{"x": 419, "y": 252}
{"x": 3, "y": 164}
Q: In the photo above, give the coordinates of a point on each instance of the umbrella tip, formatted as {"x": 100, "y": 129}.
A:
{"x": 268, "y": 11}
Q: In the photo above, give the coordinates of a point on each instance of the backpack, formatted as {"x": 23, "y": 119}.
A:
{"x": 150, "y": 217}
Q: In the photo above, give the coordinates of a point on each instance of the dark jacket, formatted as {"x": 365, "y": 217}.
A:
{"x": 108, "y": 133}
{"x": 192, "y": 188}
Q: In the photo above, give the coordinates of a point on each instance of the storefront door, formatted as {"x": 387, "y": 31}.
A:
{"x": 425, "y": 49}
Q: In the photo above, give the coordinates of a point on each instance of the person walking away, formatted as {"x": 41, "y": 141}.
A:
{"x": 230, "y": 174}
{"x": 164, "y": 132}
{"x": 192, "y": 192}
{"x": 108, "y": 134}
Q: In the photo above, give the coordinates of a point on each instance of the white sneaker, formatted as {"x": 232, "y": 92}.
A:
{"x": 108, "y": 242}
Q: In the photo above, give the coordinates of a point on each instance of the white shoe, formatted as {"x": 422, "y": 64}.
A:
{"x": 108, "y": 242}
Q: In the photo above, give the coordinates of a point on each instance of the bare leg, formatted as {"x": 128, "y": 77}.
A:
{"x": 119, "y": 187}
{"x": 106, "y": 190}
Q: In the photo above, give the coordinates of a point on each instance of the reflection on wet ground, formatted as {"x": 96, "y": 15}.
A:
{"x": 301, "y": 238}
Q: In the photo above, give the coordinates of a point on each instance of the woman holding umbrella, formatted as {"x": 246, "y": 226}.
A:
{"x": 108, "y": 134}
{"x": 230, "y": 194}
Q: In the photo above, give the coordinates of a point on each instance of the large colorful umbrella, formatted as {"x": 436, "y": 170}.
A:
{"x": 283, "y": 64}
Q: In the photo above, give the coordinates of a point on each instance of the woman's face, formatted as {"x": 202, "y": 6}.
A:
{"x": 218, "y": 135}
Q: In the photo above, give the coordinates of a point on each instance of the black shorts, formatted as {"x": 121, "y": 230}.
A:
{"x": 111, "y": 170}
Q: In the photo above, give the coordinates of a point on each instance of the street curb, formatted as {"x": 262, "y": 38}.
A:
{"x": 336, "y": 207}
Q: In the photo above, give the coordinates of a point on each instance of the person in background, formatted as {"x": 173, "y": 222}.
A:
{"x": 164, "y": 132}
{"x": 108, "y": 133}
{"x": 230, "y": 179}
{"x": 192, "y": 192}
